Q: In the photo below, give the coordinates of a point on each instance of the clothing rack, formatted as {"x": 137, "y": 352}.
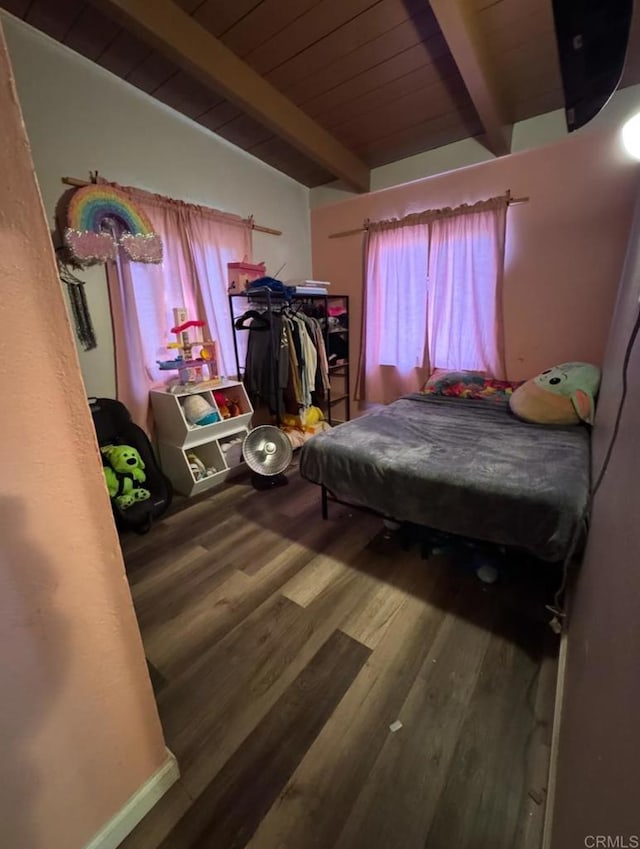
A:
{"x": 270, "y": 301}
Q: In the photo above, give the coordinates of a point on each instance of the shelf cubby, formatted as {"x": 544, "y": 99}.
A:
{"x": 217, "y": 445}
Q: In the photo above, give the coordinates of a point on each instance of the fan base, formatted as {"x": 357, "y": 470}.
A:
{"x": 263, "y": 482}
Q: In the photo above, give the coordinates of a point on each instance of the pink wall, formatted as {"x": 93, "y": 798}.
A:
{"x": 597, "y": 779}
{"x": 564, "y": 248}
{"x": 79, "y": 728}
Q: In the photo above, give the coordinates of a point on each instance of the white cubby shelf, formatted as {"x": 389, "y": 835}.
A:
{"x": 218, "y": 446}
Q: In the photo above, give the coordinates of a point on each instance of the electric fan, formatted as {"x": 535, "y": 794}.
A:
{"x": 267, "y": 451}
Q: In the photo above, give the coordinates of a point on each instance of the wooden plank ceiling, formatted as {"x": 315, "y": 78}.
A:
{"x": 378, "y": 75}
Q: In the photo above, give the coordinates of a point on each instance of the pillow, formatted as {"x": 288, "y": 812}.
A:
{"x": 439, "y": 374}
{"x": 455, "y": 384}
{"x": 564, "y": 394}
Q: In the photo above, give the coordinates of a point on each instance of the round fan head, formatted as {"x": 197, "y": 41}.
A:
{"x": 267, "y": 450}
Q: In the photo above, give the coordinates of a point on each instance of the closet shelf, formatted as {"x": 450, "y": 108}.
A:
{"x": 338, "y": 398}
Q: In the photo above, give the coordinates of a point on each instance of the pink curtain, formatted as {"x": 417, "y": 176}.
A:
{"x": 466, "y": 263}
{"x": 395, "y": 323}
{"x": 197, "y": 244}
{"x": 212, "y": 245}
{"x": 433, "y": 298}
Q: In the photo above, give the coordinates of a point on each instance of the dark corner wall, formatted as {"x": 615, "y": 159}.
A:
{"x": 598, "y": 778}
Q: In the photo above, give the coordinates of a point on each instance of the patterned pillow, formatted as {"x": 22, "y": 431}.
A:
{"x": 456, "y": 384}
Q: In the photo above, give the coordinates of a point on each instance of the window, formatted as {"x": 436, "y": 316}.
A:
{"x": 197, "y": 245}
{"x": 397, "y": 297}
{"x": 433, "y": 297}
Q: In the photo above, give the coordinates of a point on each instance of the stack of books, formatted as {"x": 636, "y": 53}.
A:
{"x": 309, "y": 287}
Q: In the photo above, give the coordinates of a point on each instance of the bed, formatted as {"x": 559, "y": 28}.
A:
{"x": 466, "y": 467}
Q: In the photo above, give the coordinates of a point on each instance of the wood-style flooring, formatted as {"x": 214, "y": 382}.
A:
{"x": 281, "y": 649}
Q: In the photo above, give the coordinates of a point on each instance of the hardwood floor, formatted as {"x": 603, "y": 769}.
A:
{"x": 281, "y": 649}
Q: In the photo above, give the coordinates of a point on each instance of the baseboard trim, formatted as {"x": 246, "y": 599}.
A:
{"x": 122, "y": 824}
{"x": 555, "y": 740}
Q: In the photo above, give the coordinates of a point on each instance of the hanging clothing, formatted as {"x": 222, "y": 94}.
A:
{"x": 292, "y": 373}
{"x": 294, "y": 364}
{"x": 267, "y": 370}
{"x": 323, "y": 384}
{"x": 310, "y": 358}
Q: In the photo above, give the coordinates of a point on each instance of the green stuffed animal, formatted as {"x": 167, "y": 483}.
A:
{"x": 124, "y": 474}
{"x": 562, "y": 395}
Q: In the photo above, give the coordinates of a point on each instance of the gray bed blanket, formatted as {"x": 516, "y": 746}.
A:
{"x": 466, "y": 467}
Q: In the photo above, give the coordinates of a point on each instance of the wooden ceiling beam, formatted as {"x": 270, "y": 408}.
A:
{"x": 458, "y": 22}
{"x": 165, "y": 26}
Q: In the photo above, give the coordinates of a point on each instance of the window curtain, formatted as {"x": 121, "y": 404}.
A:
{"x": 466, "y": 263}
{"x": 395, "y": 327}
{"x": 197, "y": 245}
{"x": 432, "y": 298}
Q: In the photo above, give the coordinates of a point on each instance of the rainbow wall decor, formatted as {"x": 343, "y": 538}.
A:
{"x": 101, "y": 217}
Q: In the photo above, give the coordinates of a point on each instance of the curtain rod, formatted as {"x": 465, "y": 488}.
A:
{"x": 342, "y": 233}
{"x": 78, "y": 183}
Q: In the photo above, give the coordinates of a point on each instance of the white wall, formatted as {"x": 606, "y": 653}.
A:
{"x": 527, "y": 135}
{"x": 80, "y": 117}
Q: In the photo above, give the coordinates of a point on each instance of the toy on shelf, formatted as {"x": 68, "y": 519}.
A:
{"x": 232, "y": 450}
{"x": 191, "y": 368}
{"x": 229, "y": 409}
{"x": 198, "y": 468}
{"x": 198, "y": 411}
{"x": 124, "y": 474}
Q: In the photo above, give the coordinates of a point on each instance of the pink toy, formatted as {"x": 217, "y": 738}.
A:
{"x": 190, "y": 368}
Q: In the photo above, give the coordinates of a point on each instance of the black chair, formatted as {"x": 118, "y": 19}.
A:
{"x": 114, "y": 426}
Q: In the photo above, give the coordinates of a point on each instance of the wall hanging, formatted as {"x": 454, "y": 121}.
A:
{"x": 79, "y": 305}
{"x": 101, "y": 217}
